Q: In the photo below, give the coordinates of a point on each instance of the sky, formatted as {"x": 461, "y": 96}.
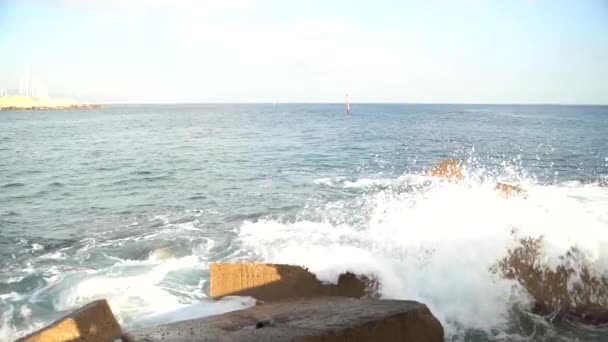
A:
{"x": 435, "y": 51}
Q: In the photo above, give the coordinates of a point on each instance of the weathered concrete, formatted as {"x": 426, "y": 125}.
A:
{"x": 308, "y": 319}
{"x": 571, "y": 290}
{"x": 93, "y": 322}
{"x": 271, "y": 282}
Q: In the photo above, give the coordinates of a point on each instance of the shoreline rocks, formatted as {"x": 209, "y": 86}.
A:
{"x": 93, "y": 322}
{"x": 449, "y": 169}
{"x": 299, "y": 308}
{"x": 307, "y": 319}
{"x": 569, "y": 291}
{"x": 507, "y": 190}
{"x": 272, "y": 282}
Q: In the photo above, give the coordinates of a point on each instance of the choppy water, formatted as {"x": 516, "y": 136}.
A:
{"x": 131, "y": 203}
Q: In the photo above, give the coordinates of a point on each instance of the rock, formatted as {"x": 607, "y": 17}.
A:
{"x": 571, "y": 290}
{"x": 93, "y": 322}
{"x": 448, "y": 169}
{"x": 507, "y": 190}
{"x": 308, "y": 319}
{"x": 271, "y": 282}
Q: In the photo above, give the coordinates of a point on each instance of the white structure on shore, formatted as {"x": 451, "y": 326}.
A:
{"x": 32, "y": 87}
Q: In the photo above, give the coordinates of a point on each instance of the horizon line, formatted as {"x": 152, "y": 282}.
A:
{"x": 352, "y": 103}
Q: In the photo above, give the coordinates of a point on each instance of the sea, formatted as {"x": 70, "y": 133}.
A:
{"x": 133, "y": 202}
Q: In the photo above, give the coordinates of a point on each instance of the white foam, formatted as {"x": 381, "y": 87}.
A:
{"x": 371, "y": 182}
{"x": 132, "y": 291}
{"x": 329, "y": 181}
{"x": 8, "y": 332}
{"x": 12, "y": 296}
{"x": 133, "y": 288}
{"x": 36, "y": 247}
{"x": 54, "y": 255}
{"x": 437, "y": 246}
{"x": 25, "y": 312}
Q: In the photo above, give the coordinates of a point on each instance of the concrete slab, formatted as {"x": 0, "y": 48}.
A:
{"x": 93, "y": 322}
{"x": 272, "y": 282}
{"x": 307, "y": 319}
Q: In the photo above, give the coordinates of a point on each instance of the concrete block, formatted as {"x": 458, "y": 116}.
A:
{"x": 271, "y": 282}
{"x": 93, "y": 322}
{"x": 307, "y": 319}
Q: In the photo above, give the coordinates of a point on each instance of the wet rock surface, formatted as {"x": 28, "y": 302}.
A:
{"x": 448, "y": 169}
{"x": 572, "y": 290}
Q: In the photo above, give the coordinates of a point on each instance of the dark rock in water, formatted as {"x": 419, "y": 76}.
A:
{"x": 448, "y": 169}
{"x": 570, "y": 291}
{"x": 507, "y": 190}
{"x": 312, "y": 319}
{"x": 271, "y": 282}
{"x": 451, "y": 170}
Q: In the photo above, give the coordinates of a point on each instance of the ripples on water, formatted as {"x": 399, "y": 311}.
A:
{"x": 131, "y": 203}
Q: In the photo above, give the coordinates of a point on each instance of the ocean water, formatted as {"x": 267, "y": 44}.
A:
{"x": 132, "y": 202}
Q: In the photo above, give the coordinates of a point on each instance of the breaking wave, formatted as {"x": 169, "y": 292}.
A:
{"x": 423, "y": 238}
{"x": 439, "y": 243}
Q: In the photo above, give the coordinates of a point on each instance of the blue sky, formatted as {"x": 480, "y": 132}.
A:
{"x": 458, "y": 51}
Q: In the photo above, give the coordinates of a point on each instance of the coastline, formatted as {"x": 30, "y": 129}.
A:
{"x": 13, "y": 103}
{"x": 83, "y": 106}
{"x": 289, "y": 304}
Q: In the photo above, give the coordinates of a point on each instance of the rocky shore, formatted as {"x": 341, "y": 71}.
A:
{"x": 307, "y": 319}
{"x": 293, "y": 305}
{"x": 571, "y": 291}
{"x": 296, "y": 306}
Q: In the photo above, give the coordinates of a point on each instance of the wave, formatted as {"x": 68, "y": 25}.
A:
{"x": 423, "y": 238}
{"x": 147, "y": 277}
{"x": 373, "y": 183}
{"x": 137, "y": 291}
{"x": 440, "y": 243}
{"x": 13, "y": 185}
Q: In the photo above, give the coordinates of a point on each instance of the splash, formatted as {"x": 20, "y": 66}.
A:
{"x": 166, "y": 286}
{"x": 439, "y": 242}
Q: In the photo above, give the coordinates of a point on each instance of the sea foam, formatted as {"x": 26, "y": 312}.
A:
{"x": 439, "y": 243}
